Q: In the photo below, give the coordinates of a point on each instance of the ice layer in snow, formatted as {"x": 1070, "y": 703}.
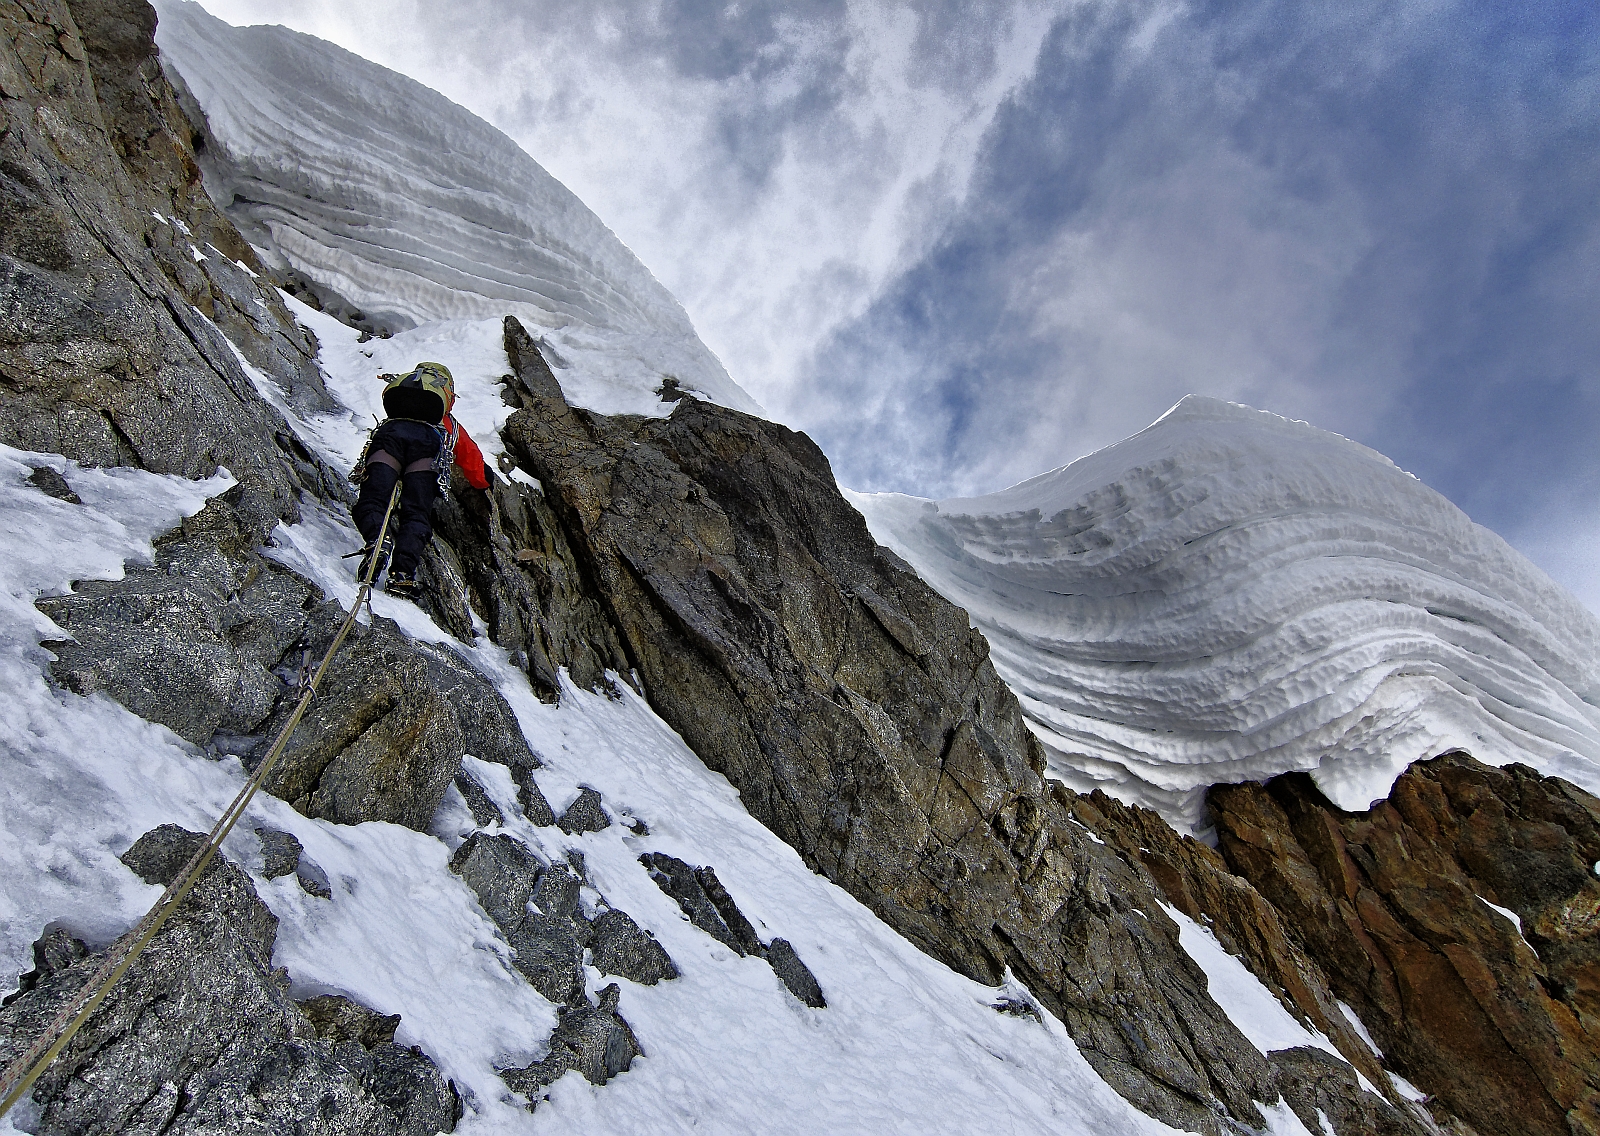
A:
{"x": 1229, "y": 595}
{"x": 415, "y": 210}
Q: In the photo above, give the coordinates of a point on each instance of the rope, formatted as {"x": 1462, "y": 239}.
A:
{"x": 25, "y": 1070}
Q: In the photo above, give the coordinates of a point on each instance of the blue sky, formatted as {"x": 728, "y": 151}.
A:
{"x": 960, "y": 244}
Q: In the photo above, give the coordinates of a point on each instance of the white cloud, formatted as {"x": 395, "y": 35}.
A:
{"x": 859, "y": 136}
{"x": 1376, "y": 218}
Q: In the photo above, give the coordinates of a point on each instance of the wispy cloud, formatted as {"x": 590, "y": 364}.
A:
{"x": 1379, "y": 218}
{"x": 962, "y": 243}
{"x": 773, "y": 163}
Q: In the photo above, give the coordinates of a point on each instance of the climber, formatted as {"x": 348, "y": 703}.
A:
{"x": 415, "y": 445}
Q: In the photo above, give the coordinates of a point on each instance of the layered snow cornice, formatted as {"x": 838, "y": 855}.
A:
{"x": 414, "y": 210}
{"x": 1228, "y": 595}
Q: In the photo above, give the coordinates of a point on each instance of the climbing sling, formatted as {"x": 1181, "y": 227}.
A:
{"x": 26, "y": 1069}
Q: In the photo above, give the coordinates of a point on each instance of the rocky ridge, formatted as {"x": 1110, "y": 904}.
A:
{"x": 858, "y": 715}
{"x": 708, "y": 558}
{"x": 113, "y": 253}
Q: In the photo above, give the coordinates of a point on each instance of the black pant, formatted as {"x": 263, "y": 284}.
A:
{"x": 410, "y": 444}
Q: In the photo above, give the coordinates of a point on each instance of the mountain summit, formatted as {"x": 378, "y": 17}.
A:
{"x": 1229, "y": 595}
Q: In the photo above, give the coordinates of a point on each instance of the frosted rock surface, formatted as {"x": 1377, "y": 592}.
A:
{"x": 1229, "y": 595}
{"x": 415, "y": 210}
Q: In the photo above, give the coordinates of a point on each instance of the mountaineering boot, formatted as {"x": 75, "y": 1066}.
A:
{"x": 380, "y": 553}
{"x": 404, "y": 585}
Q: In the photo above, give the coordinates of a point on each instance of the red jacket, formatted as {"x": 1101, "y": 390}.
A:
{"x": 468, "y": 456}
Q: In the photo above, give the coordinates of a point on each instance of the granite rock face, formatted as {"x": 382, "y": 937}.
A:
{"x": 201, "y": 1037}
{"x": 617, "y": 945}
{"x": 211, "y": 640}
{"x": 385, "y": 736}
{"x": 701, "y": 897}
{"x": 859, "y": 717}
{"x": 1395, "y": 906}
{"x": 191, "y": 640}
{"x": 502, "y": 555}
{"x": 1198, "y": 882}
{"x": 104, "y": 354}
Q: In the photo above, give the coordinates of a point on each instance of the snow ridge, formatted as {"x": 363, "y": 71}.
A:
{"x": 416, "y": 210}
{"x": 1229, "y": 595}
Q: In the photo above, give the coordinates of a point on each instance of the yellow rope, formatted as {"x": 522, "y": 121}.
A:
{"x": 25, "y": 1070}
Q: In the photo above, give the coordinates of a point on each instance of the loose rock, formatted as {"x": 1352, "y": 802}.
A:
{"x": 484, "y": 811}
{"x": 618, "y": 946}
{"x": 52, "y": 484}
{"x": 584, "y": 815}
{"x": 591, "y": 1039}
{"x": 280, "y": 851}
{"x": 337, "y": 1018}
{"x": 794, "y": 973}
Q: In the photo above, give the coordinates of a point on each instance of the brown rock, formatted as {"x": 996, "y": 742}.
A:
{"x": 1197, "y": 881}
{"x": 1394, "y": 905}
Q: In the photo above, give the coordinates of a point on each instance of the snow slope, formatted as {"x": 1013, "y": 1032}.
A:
{"x": 414, "y": 209}
{"x": 905, "y": 1045}
{"x": 1228, "y": 595}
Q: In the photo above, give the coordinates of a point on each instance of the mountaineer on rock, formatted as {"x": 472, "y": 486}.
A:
{"x": 415, "y": 445}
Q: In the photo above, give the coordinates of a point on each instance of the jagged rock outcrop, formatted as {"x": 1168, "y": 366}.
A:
{"x": 707, "y": 904}
{"x": 104, "y": 354}
{"x": 550, "y": 936}
{"x": 858, "y": 716}
{"x": 591, "y": 1038}
{"x": 482, "y": 807}
{"x": 505, "y": 555}
{"x": 210, "y": 640}
{"x": 1198, "y": 882}
{"x": 586, "y": 814}
{"x": 1395, "y": 906}
{"x": 190, "y": 640}
{"x": 386, "y": 734}
{"x": 536, "y": 906}
{"x": 200, "y": 1036}
{"x": 1318, "y": 1085}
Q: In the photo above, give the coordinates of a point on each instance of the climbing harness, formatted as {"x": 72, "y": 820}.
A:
{"x": 25, "y": 1070}
{"x": 441, "y": 464}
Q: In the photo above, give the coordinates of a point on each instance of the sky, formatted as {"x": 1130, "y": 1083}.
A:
{"x": 963, "y": 243}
